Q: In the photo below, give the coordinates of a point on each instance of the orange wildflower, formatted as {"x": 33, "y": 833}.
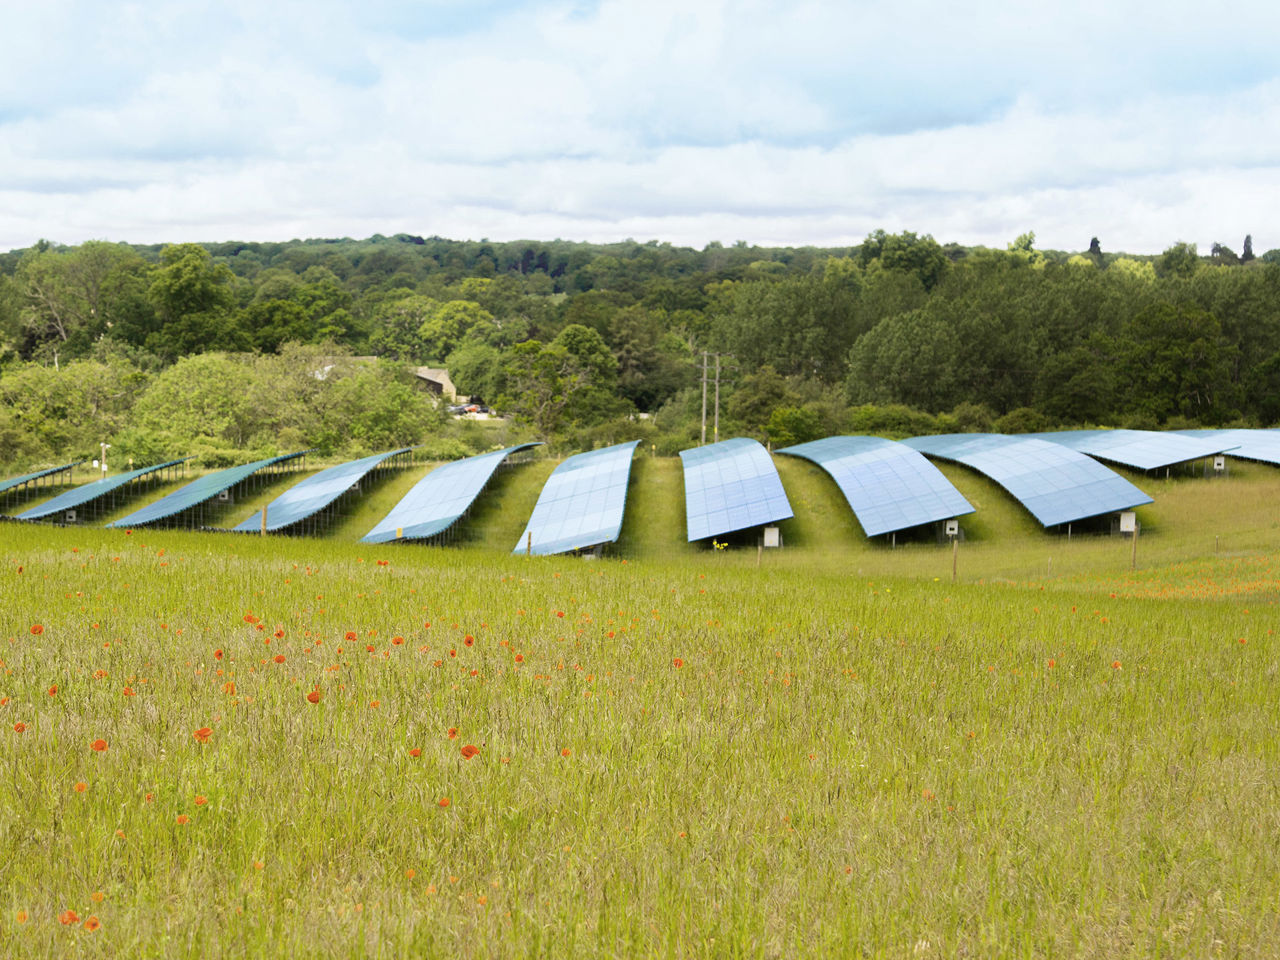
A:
{"x": 203, "y": 734}
{"x": 453, "y": 732}
{"x": 677, "y": 663}
{"x": 183, "y": 819}
{"x": 201, "y": 800}
{"x": 22, "y": 916}
{"x": 36, "y": 629}
{"x": 128, "y": 692}
{"x": 469, "y": 751}
{"x": 257, "y": 864}
{"x": 415, "y": 751}
{"x": 92, "y": 924}
{"x": 53, "y": 691}
{"x": 19, "y": 727}
{"x": 313, "y": 696}
{"x": 81, "y": 787}
{"x": 99, "y": 745}
{"x": 351, "y": 635}
{"x": 519, "y": 658}
{"x": 97, "y": 896}
{"x": 397, "y": 641}
{"x": 229, "y": 687}
{"x": 217, "y": 654}
{"x": 444, "y": 801}
{"x": 278, "y": 658}
{"x": 564, "y": 752}
{"x": 68, "y": 917}
{"x": 468, "y": 639}
{"x": 1115, "y": 664}
{"x": 1052, "y": 663}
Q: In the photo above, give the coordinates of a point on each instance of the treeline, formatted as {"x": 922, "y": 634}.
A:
{"x": 221, "y": 348}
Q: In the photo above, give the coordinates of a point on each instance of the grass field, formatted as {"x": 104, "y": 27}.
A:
{"x": 839, "y": 752}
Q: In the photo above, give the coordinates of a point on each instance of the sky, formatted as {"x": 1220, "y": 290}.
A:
{"x": 682, "y": 121}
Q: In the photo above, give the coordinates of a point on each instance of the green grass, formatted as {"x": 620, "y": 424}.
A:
{"x": 854, "y": 756}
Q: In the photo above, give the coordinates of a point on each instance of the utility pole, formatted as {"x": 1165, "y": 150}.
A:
{"x": 717, "y": 428}
{"x": 704, "y": 399}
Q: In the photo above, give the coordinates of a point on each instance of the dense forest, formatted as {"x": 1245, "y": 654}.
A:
{"x": 235, "y": 350}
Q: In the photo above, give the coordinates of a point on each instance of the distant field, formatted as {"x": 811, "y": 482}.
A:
{"x": 837, "y": 752}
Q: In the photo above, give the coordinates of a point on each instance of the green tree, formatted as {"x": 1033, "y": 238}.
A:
{"x": 194, "y": 299}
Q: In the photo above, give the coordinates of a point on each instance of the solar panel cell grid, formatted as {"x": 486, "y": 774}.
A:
{"x": 730, "y": 486}
{"x": 582, "y": 502}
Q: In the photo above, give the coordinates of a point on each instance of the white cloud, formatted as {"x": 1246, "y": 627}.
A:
{"x": 728, "y": 119}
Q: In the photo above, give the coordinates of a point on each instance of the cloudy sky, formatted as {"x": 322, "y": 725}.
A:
{"x": 678, "y": 120}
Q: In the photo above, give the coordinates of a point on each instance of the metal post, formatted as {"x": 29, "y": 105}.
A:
{"x": 955, "y": 557}
{"x": 528, "y": 549}
{"x": 1133, "y": 556}
{"x": 264, "y": 521}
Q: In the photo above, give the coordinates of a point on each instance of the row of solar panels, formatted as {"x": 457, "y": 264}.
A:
{"x": 733, "y": 485}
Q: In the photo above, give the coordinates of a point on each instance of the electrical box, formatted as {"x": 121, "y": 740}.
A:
{"x": 953, "y": 528}
{"x": 772, "y": 537}
{"x": 1128, "y": 521}
{"x": 1219, "y": 463}
{"x": 224, "y": 496}
{"x": 69, "y": 517}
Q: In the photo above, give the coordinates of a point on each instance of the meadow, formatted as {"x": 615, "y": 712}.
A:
{"x": 219, "y": 745}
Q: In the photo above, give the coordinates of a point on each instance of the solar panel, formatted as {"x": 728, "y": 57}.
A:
{"x": 1260, "y": 445}
{"x": 198, "y": 491}
{"x": 582, "y": 502}
{"x": 28, "y": 477}
{"x": 888, "y": 485}
{"x": 310, "y": 496}
{"x": 1140, "y": 449}
{"x": 91, "y": 491}
{"x": 1054, "y": 482}
{"x": 440, "y": 499}
{"x": 731, "y": 485}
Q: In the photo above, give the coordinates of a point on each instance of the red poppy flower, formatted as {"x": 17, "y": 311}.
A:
{"x": 469, "y": 751}
{"x": 313, "y": 696}
{"x": 81, "y": 787}
{"x": 201, "y": 801}
{"x": 677, "y": 663}
{"x": 519, "y": 658}
{"x": 128, "y": 692}
{"x": 203, "y": 734}
{"x": 415, "y": 751}
{"x": 444, "y": 801}
{"x": 1115, "y": 664}
{"x": 397, "y": 640}
{"x": 37, "y": 629}
{"x": 278, "y": 658}
{"x": 468, "y": 639}
{"x": 183, "y": 819}
{"x": 68, "y": 917}
{"x": 351, "y": 635}
{"x": 92, "y": 924}
{"x": 453, "y": 732}
{"x": 99, "y": 745}
{"x": 19, "y": 727}
{"x": 217, "y": 654}
{"x": 564, "y": 752}
{"x": 53, "y": 691}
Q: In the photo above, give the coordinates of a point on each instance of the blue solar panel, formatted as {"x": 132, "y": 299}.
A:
{"x": 1140, "y": 449}
{"x": 439, "y": 499}
{"x": 28, "y": 477}
{"x": 582, "y": 502}
{"x": 731, "y": 485}
{"x": 889, "y": 485}
{"x": 91, "y": 491}
{"x": 1260, "y": 445}
{"x": 316, "y": 492}
{"x": 198, "y": 491}
{"x": 1054, "y": 482}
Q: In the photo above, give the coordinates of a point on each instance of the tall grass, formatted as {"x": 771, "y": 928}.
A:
{"x": 839, "y": 752}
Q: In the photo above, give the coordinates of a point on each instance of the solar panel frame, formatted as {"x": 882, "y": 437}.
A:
{"x": 729, "y": 486}
{"x": 1139, "y": 449}
{"x": 1247, "y": 444}
{"x": 441, "y": 498}
{"x": 87, "y": 493}
{"x": 1054, "y": 482}
{"x": 312, "y": 494}
{"x": 888, "y": 485}
{"x": 198, "y": 491}
{"x": 582, "y": 504}
{"x": 14, "y": 482}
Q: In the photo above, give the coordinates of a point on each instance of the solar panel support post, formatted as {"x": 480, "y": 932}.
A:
{"x": 955, "y": 558}
{"x": 528, "y": 549}
{"x": 264, "y": 521}
{"x": 703, "y": 439}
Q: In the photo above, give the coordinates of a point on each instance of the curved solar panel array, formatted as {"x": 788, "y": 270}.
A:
{"x": 28, "y": 477}
{"x": 310, "y": 496}
{"x": 91, "y": 491}
{"x": 198, "y": 491}
{"x": 1261, "y": 445}
{"x": 731, "y": 485}
{"x": 582, "y": 502}
{"x": 1054, "y": 482}
{"x": 439, "y": 499}
{"x": 1140, "y": 449}
{"x": 889, "y": 485}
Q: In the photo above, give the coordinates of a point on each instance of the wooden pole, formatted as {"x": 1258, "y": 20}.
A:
{"x": 1133, "y": 556}
{"x": 528, "y": 547}
{"x": 955, "y": 557}
{"x": 264, "y": 521}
